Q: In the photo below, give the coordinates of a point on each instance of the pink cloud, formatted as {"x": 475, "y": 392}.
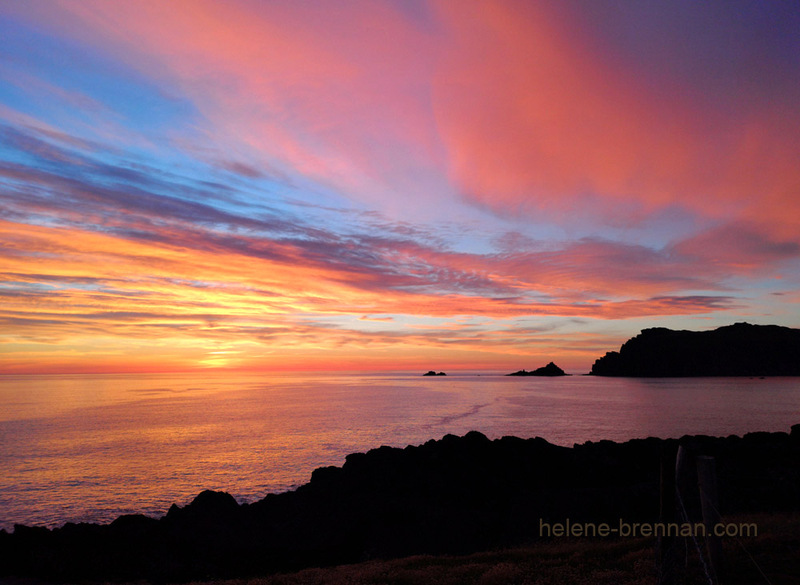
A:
{"x": 511, "y": 105}
{"x": 537, "y": 117}
{"x": 740, "y": 248}
{"x": 336, "y": 93}
{"x": 519, "y": 106}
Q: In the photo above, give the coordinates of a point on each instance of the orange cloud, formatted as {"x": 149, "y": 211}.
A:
{"x": 519, "y": 108}
{"x": 66, "y": 282}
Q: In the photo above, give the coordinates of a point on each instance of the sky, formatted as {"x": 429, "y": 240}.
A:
{"x": 390, "y": 184}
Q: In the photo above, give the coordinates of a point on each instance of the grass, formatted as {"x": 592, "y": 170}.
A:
{"x": 628, "y": 563}
{"x": 624, "y": 561}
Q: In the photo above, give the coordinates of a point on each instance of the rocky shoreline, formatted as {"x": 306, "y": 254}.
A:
{"x": 454, "y": 495}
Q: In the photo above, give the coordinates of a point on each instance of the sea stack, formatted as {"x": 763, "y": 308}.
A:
{"x": 549, "y": 370}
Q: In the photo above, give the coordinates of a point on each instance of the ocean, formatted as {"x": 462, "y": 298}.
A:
{"x": 88, "y": 448}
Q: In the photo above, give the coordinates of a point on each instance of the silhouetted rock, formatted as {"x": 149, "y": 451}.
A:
{"x": 549, "y": 370}
{"x": 735, "y": 350}
{"x": 455, "y": 495}
{"x": 432, "y": 373}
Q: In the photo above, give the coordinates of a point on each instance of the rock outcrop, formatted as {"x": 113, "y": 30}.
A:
{"x": 549, "y": 370}
{"x": 451, "y": 496}
{"x": 736, "y": 350}
{"x": 432, "y": 373}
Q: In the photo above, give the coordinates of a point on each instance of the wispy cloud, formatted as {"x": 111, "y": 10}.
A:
{"x": 292, "y": 179}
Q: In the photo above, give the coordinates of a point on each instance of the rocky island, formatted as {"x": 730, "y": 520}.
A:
{"x": 549, "y": 370}
{"x": 741, "y": 349}
{"x": 432, "y": 373}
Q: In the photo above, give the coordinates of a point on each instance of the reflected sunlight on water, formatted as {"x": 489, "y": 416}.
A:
{"x": 89, "y": 448}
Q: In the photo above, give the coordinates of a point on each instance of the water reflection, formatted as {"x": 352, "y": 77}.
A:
{"x": 91, "y": 447}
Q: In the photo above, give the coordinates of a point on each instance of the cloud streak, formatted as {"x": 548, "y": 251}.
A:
{"x": 291, "y": 180}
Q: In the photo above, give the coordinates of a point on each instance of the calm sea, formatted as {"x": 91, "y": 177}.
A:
{"x": 91, "y": 447}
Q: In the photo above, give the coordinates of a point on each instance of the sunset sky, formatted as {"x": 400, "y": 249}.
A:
{"x": 390, "y": 185}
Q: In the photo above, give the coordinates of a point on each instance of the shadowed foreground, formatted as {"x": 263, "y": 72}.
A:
{"x": 455, "y": 496}
{"x": 776, "y": 552}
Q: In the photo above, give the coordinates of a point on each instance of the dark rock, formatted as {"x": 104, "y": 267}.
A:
{"x": 134, "y": 525}
{"x": 209, "y": 503}
{"x": 432, "y": 373}
{"x": 735, "y": 350}
{"x": 451, "y": 496}
{"x": 549, "y": 370}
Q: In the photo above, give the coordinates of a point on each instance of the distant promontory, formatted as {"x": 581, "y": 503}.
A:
{"x": 741, "y": 349}
{"x": 549, "y": 370}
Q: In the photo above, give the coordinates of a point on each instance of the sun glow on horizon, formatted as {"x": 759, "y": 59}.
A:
{"x": 492, "y": 186}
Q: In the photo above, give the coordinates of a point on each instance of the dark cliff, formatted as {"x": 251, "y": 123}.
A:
{"x": 455, "y": 495}
{"x": 736, "y": 350}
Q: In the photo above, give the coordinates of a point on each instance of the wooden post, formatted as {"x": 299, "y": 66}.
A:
{"x": 680, "y": 466}
{"x": 667, "y": 558}
{"x": 680, "y": 487}
{"x": 709, "y": 501}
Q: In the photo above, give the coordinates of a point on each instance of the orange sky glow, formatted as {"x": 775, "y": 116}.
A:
{"x": 389, "y": 185}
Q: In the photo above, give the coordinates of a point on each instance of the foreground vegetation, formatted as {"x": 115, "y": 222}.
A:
{"x": 775, "y": 552}
{"x": 435, "y": 505}
{"x": 629, "y": 562}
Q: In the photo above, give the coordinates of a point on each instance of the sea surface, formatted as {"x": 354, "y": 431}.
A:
{"x": 88, "y": 448}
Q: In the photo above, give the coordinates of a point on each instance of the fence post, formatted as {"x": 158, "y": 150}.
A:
{"x": 667, "y": 561}
{"x": 709, "y": 502}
